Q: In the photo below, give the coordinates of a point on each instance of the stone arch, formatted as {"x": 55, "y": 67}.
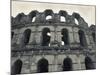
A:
{"x": 67, "y": 64}
{"x": 76, "y": 17}
{"x": 12, "y": 35}
{"x": 19, "y": 17}
{"x": 17, "y": 66}
{"x": 62, "y": 14}
{"x": 94, "y": 37}
{"x": 82, "y": 38}
{"x": 89, "y": 63}
{"x": 27, "y": 34}
{"x": 48, "y": 15}
{"x": 46, "y": 37}
{"x": 65, "y": 36}
{"x": 32, "y": 15}
{"x": 42, "y": 65}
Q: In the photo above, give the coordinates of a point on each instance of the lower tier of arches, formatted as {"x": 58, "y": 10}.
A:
{"x": 52, "y": 63}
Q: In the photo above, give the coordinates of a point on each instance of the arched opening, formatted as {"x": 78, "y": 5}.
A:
{"x": 65, "y": 37}
{"x": 32, "y": 16}
{"x": 17, "y": 67}
{"x": 46, "y": 37}
{"x": 82, "y": 38}
{"x": 48, "y": 15}
{"x": 77, "y": 17}
{"x": 42, "y": 65}
{"x": 27, "y": 34}
{"x": 94, "y": 37}
{"x": 67, "y": 64}
{"x": 89, "y": 63}
{"x": 62, "y": 14}
{"x": 12, "y": 34}
{"x": 62, "y": 19}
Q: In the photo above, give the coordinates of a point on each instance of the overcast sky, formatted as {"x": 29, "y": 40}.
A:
{"x": 87, "y": 12}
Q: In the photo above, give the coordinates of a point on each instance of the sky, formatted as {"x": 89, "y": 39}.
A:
{"x": 86, "y": 11}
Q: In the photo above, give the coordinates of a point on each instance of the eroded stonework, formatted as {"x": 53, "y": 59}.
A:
{"x": 57, "y": 45}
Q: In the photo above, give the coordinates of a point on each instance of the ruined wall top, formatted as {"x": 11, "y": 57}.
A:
{"x": 41, "y": 17}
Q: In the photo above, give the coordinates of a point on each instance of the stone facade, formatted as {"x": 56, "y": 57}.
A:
{"x": 29, "y": 43}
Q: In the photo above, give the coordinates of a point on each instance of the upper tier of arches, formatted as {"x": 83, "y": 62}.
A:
{"x": 48, "y": 16}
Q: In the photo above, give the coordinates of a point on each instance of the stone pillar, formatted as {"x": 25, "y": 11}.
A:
{"x": 71, "y": 39}
{"x": 52, "y": 36}
{"x": 31, "y": 38}
{"x": 55, "y": 63}
{"x": 78, "y": 64}
{"x": 59, "y": 37}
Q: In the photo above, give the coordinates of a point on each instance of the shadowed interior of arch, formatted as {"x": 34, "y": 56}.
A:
{"x": 27, "y": 34}
{"x": 82, "y": 38}
{"x": 12, "y": 35}
{"x": 67, "y": 64}
{"x": 46, "y": 37}
{"x": 17, "y": 66}
{"x": 89, "y": 63}
{"x": 42, "y": 65}
{"x": 65, "y": 39}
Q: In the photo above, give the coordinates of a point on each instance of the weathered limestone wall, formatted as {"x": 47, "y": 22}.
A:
{"x": 55, "y": 58}
{"x": 55, "y": 61}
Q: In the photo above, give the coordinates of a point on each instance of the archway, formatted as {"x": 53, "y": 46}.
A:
{"x": 48, "y": 15}
{"x": 67, "y": 64}
{"x": 32, "y": 15}
{"x": 82, "y": 38}
{"x": 27, "y": 34}
{"x": 76, "y": 17}
{"x": 65, "y": 37}
{"x": 46, "y": 37}
{"x": 88, "y": 63}
{"x": 62, "y": 14}
{"x": 42, "y": 65}
{"x": 16, "y": 69}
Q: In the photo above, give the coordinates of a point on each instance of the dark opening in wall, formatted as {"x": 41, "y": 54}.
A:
{"x": 82, "y": 38}
{"x": 94, "y": 37}
{"x": 46, "y": 37}
{"x": 67, "y": 64}
{"x": 16, "y": 69}
{"x": 12, "y": 34}
{"x": 65, "y": 37}
{"x": 89, "y": 63}
{"x": 42, "y": 65}
{"x": 27, "y": 34}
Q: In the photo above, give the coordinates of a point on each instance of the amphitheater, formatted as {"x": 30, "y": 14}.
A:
{"x": 51, "y": 42}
